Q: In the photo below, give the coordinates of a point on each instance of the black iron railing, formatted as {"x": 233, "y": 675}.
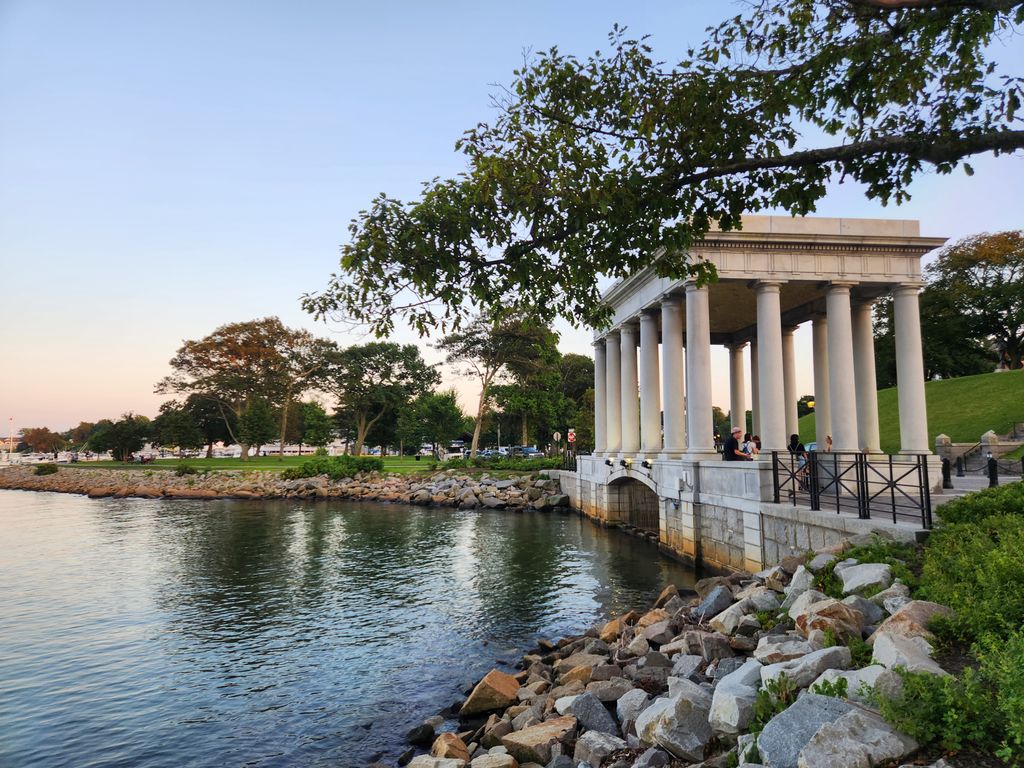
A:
{"x": 862, "y": 484}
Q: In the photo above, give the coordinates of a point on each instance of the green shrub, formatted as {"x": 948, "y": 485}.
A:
{"x": 1002, "y": 665}
{"x": 976, "y": 570}
{"x": 335, "y": 467}
{"x": 945, "y": 711}
{"x": 837, "y": 690}
{"x": 773, "y": 698}
{"x": 46, "y": 469}
{"x": 975, "y": 507}
{"x": 827, "y": 582}
{"x": 183, "y": 468}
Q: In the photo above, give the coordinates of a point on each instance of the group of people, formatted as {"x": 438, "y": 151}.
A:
{"x": 741, "y": 446}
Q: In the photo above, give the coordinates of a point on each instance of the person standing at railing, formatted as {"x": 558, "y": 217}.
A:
{"x": 798, "y": 454}
{"x": 731, "y": 450}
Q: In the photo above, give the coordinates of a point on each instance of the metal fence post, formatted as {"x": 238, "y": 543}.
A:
{"x": 947, "y": 481}
{"x": 959, "y": 466}
{"x": 993, "y": 472}
{"x": 775, "y": 474}
{"x": 926, "y": 494}
{"x": 861, "y": 480}
{"x": 812, "y": 478}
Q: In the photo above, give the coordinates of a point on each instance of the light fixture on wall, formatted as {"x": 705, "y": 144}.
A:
{"x": 646, "y": 464}
{"x": 609, "y": 462}
{"x": 627, "y": 463}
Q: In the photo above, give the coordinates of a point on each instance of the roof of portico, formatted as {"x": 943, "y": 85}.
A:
{"x": 804, "y": 254}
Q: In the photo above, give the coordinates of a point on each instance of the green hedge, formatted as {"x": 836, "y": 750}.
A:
{"x": 1003, "y": 500}
{"x": 46, "y": 469}
{"x": 335, "y": 467}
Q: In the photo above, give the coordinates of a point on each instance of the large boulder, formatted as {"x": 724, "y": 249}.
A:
{"x": 496, "y": 691}
{"x": 593, "y": 747}
{"x": 426, "y": 761}
{"x": 732, "y": 705}
{"x": 872, "y": 613}
{"x": 610, "y": 690}
{"x": 805, "y": 670}
{"x": 868, "y": 576}
{"x": 495, "y": 761}
{"x": 912, "y": 653}
{"x": 728, "y": 620}
{"x": 802, "y": 602}
{"x": 855, "y": 740}
{"x": 679, "y": 723}
{"x": 590, "y": 713}
{"x": 579, "y": 660}
{"x": 802, "y": 580}
{"x": 533, "y": 744}
{"x": 786, "y": 734}
{"x": 912, "y": 620}
{"x": 629, "y": 706}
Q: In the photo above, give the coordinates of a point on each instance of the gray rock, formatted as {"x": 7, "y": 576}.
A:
{"x": 638, "y": 646}
{"x": 787, "y": 733}
{"x": 773, "y": 649}
{"x": 820, "y": 562}
{"x": 629, "y": 706}
{"x": 912, "y": 653}
{"x": 854, "y": 740}
{"x": 501, "y": 485}
{"x": 678, "y": 724}
{"x": 563, "y": 703}
{"x": 688, "y": 666}
{"x": 802, "y": 580}
{"x": 593, "y": 747}
{"x": 717, "y": 601}
{"x": 726, "y": 667}
{"x": 660, "y": 632}
{"x": 732, "y": 706}
{"x": 802, "y": 602}
{"x": 898, "y": 589}
{"x": 859, "y": 682}
{"x": 714, "y": 646}
{"x": 610, "y": 690}
{"x": 422, "y": 735}
{"x": 592, "y": 715}
{"x": 561, "y": 761}
{"x": 858, "y": 578}
{"x": 654, "y": 659}
{"x": 605, "y": 672}
{"x": 558, "y": 500}
{"x": 728, "y": 620}
{"x": 492, "y": 502}
{"x": 872, "y": 613}
{"x": 894, "y": 604}
{"x": 653, "y": 758}
{"x": 805, "y": 670}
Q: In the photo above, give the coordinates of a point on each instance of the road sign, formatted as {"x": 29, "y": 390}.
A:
{"x": 557, "y": 436}
{"x": 572, "y": 436}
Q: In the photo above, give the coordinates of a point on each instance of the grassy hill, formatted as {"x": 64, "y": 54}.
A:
{"x": 962, "y": 408}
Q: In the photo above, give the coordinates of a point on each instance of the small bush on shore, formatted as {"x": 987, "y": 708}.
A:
{"x": 46, "y": 469}
{"x": 183, "y": 468}
{"x": 335, "y": 467}
{"x": 975, "y": 507}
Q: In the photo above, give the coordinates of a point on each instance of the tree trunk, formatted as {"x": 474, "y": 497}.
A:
{"x": 284, "y": 428}
{"x": 481, "y": 408}
{"x": 526, "y": 430}
{"x": 209, "y": 450}
{"x": 245, "y": 451}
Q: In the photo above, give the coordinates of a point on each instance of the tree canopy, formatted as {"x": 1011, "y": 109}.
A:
{"x": 615, "y": 161}
{"x": 371, "y": 380}
{"x": 122, "y": 438}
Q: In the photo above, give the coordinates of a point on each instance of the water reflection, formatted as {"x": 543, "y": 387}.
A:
{"x": 155, "y": 633}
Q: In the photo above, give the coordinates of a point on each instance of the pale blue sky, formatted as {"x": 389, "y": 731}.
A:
{"x": 167, "y": 167}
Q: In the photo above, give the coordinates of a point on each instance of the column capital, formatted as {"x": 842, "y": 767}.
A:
{"x": 671, "y": 299}
{"x": 768, "y": 286}
{"x": 789, "y": 330}
{"x": 612, "y": 332}
{"x": 735, "y": 346}
{"x": 840, "y": 286}
{"x": 630, "y": 325}
{"x": 692, "y": 287}
{"x": 906, "y": 288}
{"x": 598, "y": 342}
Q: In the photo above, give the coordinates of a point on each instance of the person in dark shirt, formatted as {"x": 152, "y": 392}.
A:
{"x": 731, "y": 450}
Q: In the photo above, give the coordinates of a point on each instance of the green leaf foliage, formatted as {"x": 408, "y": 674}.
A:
{"x": 45, "y": 469}
{"x": 976, "y": 507}
{"x": 621, "y": 160}
{"x": 334, "y": 467}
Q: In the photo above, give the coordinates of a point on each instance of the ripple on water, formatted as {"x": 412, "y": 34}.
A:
{"x": 156, "y": 633}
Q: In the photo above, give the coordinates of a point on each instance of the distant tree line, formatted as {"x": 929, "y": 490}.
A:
{"x": 256, "y": 382}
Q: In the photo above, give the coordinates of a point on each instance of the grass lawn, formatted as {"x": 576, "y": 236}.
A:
{"x": 962, "y": 408}
{"x": 398, "y": 464}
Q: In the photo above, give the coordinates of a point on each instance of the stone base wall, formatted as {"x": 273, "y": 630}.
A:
{"x": 717, "y": 514}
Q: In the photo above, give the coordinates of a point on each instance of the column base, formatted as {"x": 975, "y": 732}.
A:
{"x": 914, "y": 452}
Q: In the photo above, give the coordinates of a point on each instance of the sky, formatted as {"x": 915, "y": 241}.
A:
{"x": 169, "y": 167}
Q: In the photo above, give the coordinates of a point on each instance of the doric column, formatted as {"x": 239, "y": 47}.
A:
{"x": 822, "y": 414}
{"x": 600, "y": 404}
{"x": 910, "y": 371}
{"x": 699, "y": 428}
{"x": 612, "y": 393}
{"x": 672, "y": 375}
{"x": 755, "y": 402}
{"x": 866, "y": 385}
{"x": 629, "y": 339}
{"x": 650, "y": 397}
{"x": 737, "y": 387}
{"x": 771, "y": 386}
{"x": 789, "y": 380}
{"x": 841, "y": 391}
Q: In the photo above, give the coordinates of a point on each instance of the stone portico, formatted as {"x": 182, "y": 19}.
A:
{"x": 653, "y": 426}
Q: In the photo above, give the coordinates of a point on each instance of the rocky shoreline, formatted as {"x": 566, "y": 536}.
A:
{"x": 449, "y": 488}
{"x": 749, "y": 670}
